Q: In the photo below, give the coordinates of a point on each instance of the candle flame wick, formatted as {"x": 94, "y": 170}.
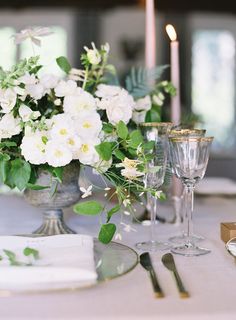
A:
{"x": 171, "y": 32}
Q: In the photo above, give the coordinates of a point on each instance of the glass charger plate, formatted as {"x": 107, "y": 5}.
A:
{"x": 112, "y": 260}
{"x": 231, "y": 247}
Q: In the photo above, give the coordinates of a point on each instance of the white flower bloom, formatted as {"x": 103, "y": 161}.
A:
{"x": 126, "y": 202}
{"x": 33, "y": 34}
{"x": 36, "y": 91}
{"x": 62, "y": 128}
{"x": 87, "y": 153}
{"x": 57, "y": 102}
{"x": 28, "y": 79}
{"x": 127, "y": 213}
{"x": 118, "y": 236}
{"x": 89, "y": 125}
{"x": 107, "y": 189}
{"x": 143, "y": 104}
{"x": 131, "y": 173}
{"x": 65, "y": 88}
{"x": 107, "y": 91}
{"x": 49, "y": 81}
{"x": 33, "y": 148}
{"x": 158, "y": 194}
{"x": 93, "y": 55}
{"x": 27, "y": 114}
{"x": 76, "y": 74}
{"x": 81, "y": 101}
{"x": 106, "y": 47}
{"x": 7, "y": 99}
{"x": 20, "y": 91}
{"x": 86, "y": 192}
{"x": 139, "y": 116}
{"x": 57, "y": 154}
{"x": 9, "y": 126}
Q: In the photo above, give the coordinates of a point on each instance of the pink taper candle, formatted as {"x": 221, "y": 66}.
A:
{"x": 174, "y": 65}
{"x": 150, "y": 38}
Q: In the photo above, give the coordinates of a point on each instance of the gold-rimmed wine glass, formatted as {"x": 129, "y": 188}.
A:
{"x": 189, "y": 157}
{"x": 154, "y": 177}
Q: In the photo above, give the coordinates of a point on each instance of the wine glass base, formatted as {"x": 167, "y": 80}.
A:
{"x": 181, "y": 239}
{"x": 190, "y": 250}
{"x": 152, "y": 246}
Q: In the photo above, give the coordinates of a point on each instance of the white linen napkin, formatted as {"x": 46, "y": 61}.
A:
{"x": 63, "y": 260}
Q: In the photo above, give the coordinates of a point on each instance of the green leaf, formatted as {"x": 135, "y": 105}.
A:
{"x": 107, "y": 232}
{"x": 112, "y": 211}
{"x": 135, "y": 139}
{"x": 58, "y": 173}
{"x": 64, "y": 64}
{"x": 90, "y": 208}
{"x": 119, "y": 154}
{"x": 30, "y": 251}
{"x": 7, "y": 144}
{"x": 122, "y": 130}
{"x": 104, "y": 150}
{"x": 4, "y": 169}
{"x": 11, "y": 257}
{"x": 36, "y": 186}
{"x": 107, "y": 127}
{"x": 44, "y": 139}
{"x": 148, "y": 145}
{"x": 20, "y": 173}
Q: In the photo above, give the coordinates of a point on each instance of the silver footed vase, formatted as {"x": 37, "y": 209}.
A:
{"x": 66, "y": 195}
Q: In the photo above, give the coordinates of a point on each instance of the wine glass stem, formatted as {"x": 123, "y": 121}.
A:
{"x": 189, "y": 194}
{"x": 152, "y": 203}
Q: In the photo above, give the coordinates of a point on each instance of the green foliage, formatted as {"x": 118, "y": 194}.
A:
{"x": 112, "y": 211}
{"x": 136, "y": 139}
{"x": 31, "y": 252}
{"x": 12, "y": 258}
{"x": 119, "y": 154}
{"x": 104, "y": 150}
{"x": 107, "y": 127}
{"x": 88, "y": 208}
{"x": 107, "y": 232}
{"x": 19, "y": 174}
{"x": 64, "y": 64}
{"x": 139, "y": 82}
{"x": 122, "y": 130}
{"x": 36, "y": 186}
{"x": 58, "y": 173}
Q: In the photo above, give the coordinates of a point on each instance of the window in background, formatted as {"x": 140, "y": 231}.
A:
{"x": 213, "y": 84}
{"x": 8, "y": 48}
{"x": 52, "y": 46}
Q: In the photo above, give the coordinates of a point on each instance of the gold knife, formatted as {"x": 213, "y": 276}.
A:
{"x": 169, "y": 263}
{"x": 146, "y": 263}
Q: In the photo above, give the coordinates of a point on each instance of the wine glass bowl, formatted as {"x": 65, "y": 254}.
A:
{"x": 189, "y": 157}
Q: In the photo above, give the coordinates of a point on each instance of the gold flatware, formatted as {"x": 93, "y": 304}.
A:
{"x": 146, "y": 263}
{"x": 169, "y": 263}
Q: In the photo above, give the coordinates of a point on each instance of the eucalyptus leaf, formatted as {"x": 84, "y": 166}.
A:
{"x": 107, "y": 232}
{"x": 88, "y": 208}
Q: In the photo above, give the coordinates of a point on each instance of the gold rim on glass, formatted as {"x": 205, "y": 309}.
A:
{"x": 187, "y": 131}
{"x": 155, "y": 124}
{"x": 191, "y": 139}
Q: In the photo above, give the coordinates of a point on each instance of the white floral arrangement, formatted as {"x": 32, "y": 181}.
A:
{"x": 48, "y": 122}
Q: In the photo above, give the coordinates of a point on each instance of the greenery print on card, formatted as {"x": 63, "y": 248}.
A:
{"x": 48, "y": 122}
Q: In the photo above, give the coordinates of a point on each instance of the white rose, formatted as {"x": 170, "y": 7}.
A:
{"x": 93, "y": 55}
{"x": 9, "y": 126}
{"x": 81, "y": 101}
{"x": 87, "y": 153}
{"x": 139, "y": 116}
{"x": 57, "y": 154}
{"x": 143, "y": 104}
{"x": 7, "y": 99}
{"x": 36, "y": 91}
{"x": 89, "y": 125}
{"x": 28, "y": 79}
{"x": 27, "y": 114}
{"x": 33, "y": 148}
{"x": 65, "y": 88}
{"x": 49, "y": 81}
{"x": 107, "y": 91}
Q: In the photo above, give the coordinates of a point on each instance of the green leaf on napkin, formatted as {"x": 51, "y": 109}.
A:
{"x": 88, "y": 208}
{"x": 30, "y": 251}
{"x": 107, "y": 232}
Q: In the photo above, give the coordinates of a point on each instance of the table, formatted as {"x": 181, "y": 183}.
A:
{"x": 210, "y": 279}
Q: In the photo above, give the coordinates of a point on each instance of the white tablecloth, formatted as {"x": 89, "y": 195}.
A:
{"x": 210, "y": 279}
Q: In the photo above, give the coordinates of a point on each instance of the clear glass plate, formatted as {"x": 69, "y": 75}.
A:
{"x": 112, "y": 260}
{"x": 231, "y": 247}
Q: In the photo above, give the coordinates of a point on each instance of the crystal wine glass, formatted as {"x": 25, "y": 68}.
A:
{"x": 155, "y": 174}
{"x": 189, "y": 160}
{"x": 181, "y": 237}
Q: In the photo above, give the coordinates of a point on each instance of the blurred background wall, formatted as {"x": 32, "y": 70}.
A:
{"x": 207, "y": 35}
